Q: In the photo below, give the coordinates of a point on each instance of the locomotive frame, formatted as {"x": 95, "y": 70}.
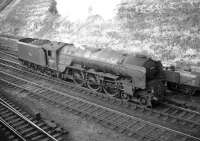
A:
{"x": 117, "y": 80}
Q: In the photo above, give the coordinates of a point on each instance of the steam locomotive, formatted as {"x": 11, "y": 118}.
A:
{"x": 127, "y": 76}
{"x": 118, "y": 74}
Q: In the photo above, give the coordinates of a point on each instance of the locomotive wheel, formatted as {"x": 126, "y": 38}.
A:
{"x": 111, "y": 89}
{"x": 93, "y": 82}
{"x": 78, "y": 77}
{"x": 125, "y": 96}
{"x": 143, "y": 101}
{"x": 42, "y": 70}
{"x": 143, "y": 98}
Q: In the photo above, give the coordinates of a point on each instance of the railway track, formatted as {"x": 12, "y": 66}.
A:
{"x": 183, "y": 105}
{"x": 18, "y": 125}
{"x": 11, "y": 54}
{"x": 59, "y": 100}
{"x": 6, "y": 51}
{"x": 181, "y": 113}
{"x": 167, "y": 115}
{"x": 126, "y": 124}
{"x": 4, "y": 4}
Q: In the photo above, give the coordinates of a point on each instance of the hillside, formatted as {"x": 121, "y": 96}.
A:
{"x": 28, "y": 17}
{"x": 170, "y": 28}
{"x": 164, "y": 29}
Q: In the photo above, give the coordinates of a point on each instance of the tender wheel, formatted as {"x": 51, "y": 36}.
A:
{"x": 42, "y": 70}
{"x": 78, "y": 77}
{"x": 111, "y": 89}
{"x": 171, "y": 86}
{"x": 93, "y": 82}
{"x": 190, "y": 91}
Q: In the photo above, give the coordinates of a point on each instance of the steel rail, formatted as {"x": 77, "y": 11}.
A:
{"x": 91, "y": 103}
{"x": 131, "y": 115}
{"x": 153, "y": 110}
{"x": 8, "y": 54}
{"x": 12, "y": 129}
{"x": 5, "y": 104}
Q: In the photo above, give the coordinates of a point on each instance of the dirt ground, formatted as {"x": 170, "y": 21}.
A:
{"x": 79, "y": 129}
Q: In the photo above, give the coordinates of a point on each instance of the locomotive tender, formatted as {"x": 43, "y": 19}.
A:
{"x": 9, "y": 41}
{"x": 185, "y": 81}
{"x": 112, "y": 72}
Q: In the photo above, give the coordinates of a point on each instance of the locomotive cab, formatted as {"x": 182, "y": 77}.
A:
{"x": 51, "y": 54}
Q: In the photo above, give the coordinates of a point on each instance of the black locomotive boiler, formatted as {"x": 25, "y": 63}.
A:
{"x": 111, "y": 72}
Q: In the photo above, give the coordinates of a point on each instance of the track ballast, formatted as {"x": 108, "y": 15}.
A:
{"x": 18, "y": 125}
{"x": 124, "y": 123}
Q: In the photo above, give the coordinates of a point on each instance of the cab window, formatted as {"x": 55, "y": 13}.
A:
{"x": 49, "y": 53}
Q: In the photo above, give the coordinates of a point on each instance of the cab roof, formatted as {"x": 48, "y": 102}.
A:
{"x": 45, "y": 44}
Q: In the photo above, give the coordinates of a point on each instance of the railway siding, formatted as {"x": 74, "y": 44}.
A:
{"x": 121, "y": 122}
{"x": 18, "y": 125}
{"x": 189, "y": 126}
{"x": 4, "y": 3}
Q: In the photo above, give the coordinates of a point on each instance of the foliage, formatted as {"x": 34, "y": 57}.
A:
{"x": 170, "y": 26}
{"x": 164, "y": 29}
